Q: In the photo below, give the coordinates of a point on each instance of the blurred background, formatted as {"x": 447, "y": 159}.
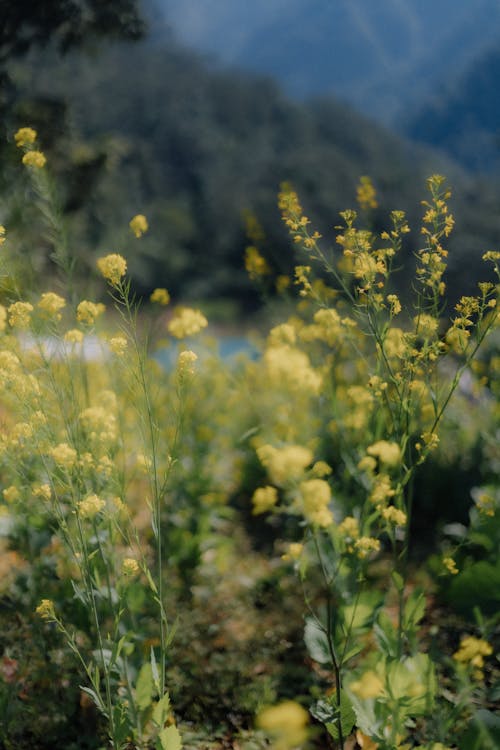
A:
{"x": 193, "y": 112}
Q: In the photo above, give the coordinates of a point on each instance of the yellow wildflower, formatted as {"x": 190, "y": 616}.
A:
{"x": 472, "y": 652}
{"x": 349, "y": 527}
{"x": 139, "y": 225}
{"x": 366, "y": 544}
{"x": 35, "y": 159}
{"x": 366, "y": 194}
{"x": 284, "y": 464}
{"x": 289, "y": 366}
{"x": 485, "y": 503}
{"x": 46, "y": 610}
{"x": 293, "y": 552}
{"x": 3, "y": 318}
{"x": 130, "y": 566}
{"x": 381, "y": 490}
{"x": 282, "y": 283}
{"x": 395, "y": 304}
{"x": 11, "y": 494}
{"x": 286, "y": 722}
{"x": 263, "y": 499}
{"x": 187, "y": 322}
{"x": 2, "y": 234}
{"x": 25, "y": 137}
{"x": 387, "y": 453}
{"x": 393, "y": 515}
{"x": 20, "y": 314}
{"x": 255, "y": 264}
{"x": 316, "y": 496}
{"x": 112, "y": 267}
{"x": 185, "y": 363}
{"x": 63, "y": 455}
{"x": 118, "y": 345}
{"x": 91, "y": 506}
{"x": 43, "y": 491}
{"x": 160, "y": 296}
{"x": 87, "y": 312}
{"x": 74, "y": 336}
{"x": 368, "y": 686}
{"x": 51, "y": 303}
{"x": 450, "y": 565}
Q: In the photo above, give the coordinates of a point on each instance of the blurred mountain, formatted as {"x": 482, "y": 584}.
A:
{"x": 463, "y": 117}
{"x": 153, "y": 128}
{"x": 381, "y": 56}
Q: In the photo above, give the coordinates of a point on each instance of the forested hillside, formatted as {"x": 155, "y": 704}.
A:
{"x": 151, "y": 127}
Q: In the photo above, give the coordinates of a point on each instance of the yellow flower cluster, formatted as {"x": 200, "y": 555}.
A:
{"x": 20, "y": 314}
{"x": 74, "y": 336}
{"x": 293, "y": 552}
{"x": 450, "y": 565}
{"x": 2, "y": 234}
{"x": 264, "y": 499}
{"x": 316, "y": 496}
{"x": 185, "y": 362}
{"x": 130, "y": 566}
{"x": 87, "y": 312}
{"x": 139, "y": 225}
{"x": 160, "y": 296}
{"x": 366, "y": 544}
{"x": 64, "y": 456}
{"x": 394, "y": 515}
{"x": 286, "y": 722}
{"x": 290, "y": 367}
{"x": 118, "y": 345}
{"x": 187, "y": 322}
{"x": 486, "y": 504}
{"x": 91, "y": 506}
{"x": 51, "y": 304}
{"x": 46, "y": 610}
{"x": 366, "y": 194}
{"x": 255, "y": 264}
{"x": 25, "y": 137}
{"x": 99, "y": 424}
{"x": 112, "y": 267}
{"x": 34, "y": 159}
{"x": 285, "y": 464}
{"x": 471, "y": 652}
{"x": 388, "y": 454}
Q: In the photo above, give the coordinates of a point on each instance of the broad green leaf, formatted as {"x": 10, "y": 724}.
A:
{"x": 144, "y": 687}
{"x": 414, "y": 609}
{"x": 316, "y": 642}
{"x": 347, "y": 718}
{"x": 169, "y": 739}
{"x": 161, "y": 710}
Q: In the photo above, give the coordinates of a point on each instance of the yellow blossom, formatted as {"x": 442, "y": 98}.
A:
{"x": 293, "y": 552}
{"x": 185, "y": 363}
{"x": 368, "y": 686}
{"x": 287, "y": 365}
{"x": 43, "y": 491}
{"x": 284, "y": 464}
{"x": 112, "y": 267}
{"x": 160, "y": 296}
{"x": 365, "y": 193}
{"x": 255, "y": 264}
{"x": 118, "y": 345}
{"x": 20, "y": 314}
{"x": 25, "y": 137}
{"x": 35, "y": 159}
{"x": 394, "y": 515}
{"x": 11, "y": 494}
{"x": 316, "y": 496}
{"x": 187, "y": 322}
{"x": 87, "y": 312}
{"x": 130, "y": 566}
{"x": 139, "y": 225}
{"x": 349, "y": 527}
{"x": 63, "y": 455}
{"x": 74, "y": 336}
{"x": 51, "y": 303}
{"x": 387, "y": 453}
{"x": 450, "y": 565}
{"x": 486, "y": 504}
{"x": 381, "y": 490}
{"x": 472, "y": 652}
{"x": 3, "y": 318}
{"x": 263, "y": 499}
{"x": 366, "y": 544}
{"x": 286, "y": 723}
{"x": 395, "y": 304}
{"x": 46, "y": 610}
{"x": 91, "y": 506}
{"x": 2, "y": 234}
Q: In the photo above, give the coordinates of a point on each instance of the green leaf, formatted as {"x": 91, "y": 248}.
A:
{"x": 316, "y": 642}
{"x": 414, "y": 609}
{"x": 154, "y": 670}
{"x": 144, "y": 687}
{"x": 397, "y": 581}
{"x": 347, "y": 718}
{"x": 161, "y": 710}
{"x": 169, "y": 739}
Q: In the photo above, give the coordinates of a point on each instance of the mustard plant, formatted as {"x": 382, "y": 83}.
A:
{"x": 380, "y": 376}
